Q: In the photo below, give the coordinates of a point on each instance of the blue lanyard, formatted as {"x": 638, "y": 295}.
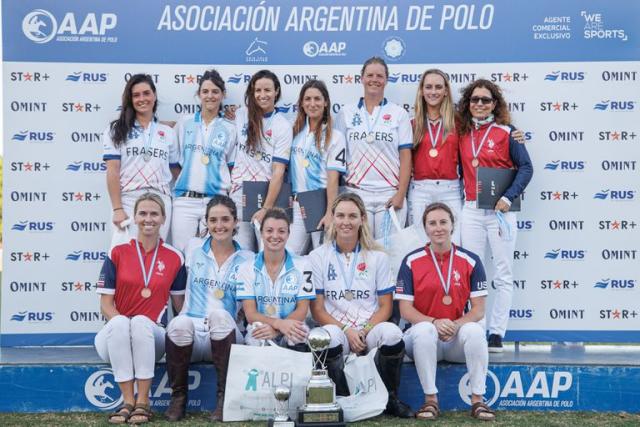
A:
{"x": 208, "y": 148}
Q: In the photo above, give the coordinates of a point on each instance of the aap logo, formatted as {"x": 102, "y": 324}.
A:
{"x": 493, "y": 388}
{"x": 101, "y": 390}
{"x": 39, "y": 26}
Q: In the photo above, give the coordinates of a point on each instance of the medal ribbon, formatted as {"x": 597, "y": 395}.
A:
{"x": 482, "y": 141}
{"x": 434, "y": 139}
{"x": 146, "y": 276}
{"x": 446, "y": 285}
{"x": 230, "y": 262}
{"x": 272, "y": 289}
{"x": 208, "y": 148}
{"x": 146, "y": 141}
{"x": 306, "y": 146}
{"x": 368, "y": 118}
{"x": 347, "y": 280}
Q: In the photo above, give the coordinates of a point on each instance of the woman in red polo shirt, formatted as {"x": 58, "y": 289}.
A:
{"x": 134, "y": 287}
{"x": 442, "y": 289}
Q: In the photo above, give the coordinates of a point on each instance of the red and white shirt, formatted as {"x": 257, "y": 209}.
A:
{"x": 374, "y": 165}
{"x": 122, "y": 276}
{"x": 157, "y": 144}
{"x": 444, "y": 165}
{"x": 419, "y": 282}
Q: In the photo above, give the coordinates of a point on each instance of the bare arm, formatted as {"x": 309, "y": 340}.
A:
{"x": 411, "y": 314}
{"x": 115, "y": 193}
{"x": 108, "y": 306}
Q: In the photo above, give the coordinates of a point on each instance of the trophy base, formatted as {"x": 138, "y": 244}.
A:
{"x": 326, "y": 418}
{"x": 276, "y": 423}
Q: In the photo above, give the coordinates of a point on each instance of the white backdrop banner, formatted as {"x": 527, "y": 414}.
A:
{"x": 570, "y": 71}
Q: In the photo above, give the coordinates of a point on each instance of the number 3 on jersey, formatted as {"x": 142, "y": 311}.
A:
{"x": 308, "y": 285}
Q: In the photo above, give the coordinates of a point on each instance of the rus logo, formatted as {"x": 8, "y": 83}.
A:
{"x": 84, "y": 77}
{"x": 565, "y": 254}
{"x": 615, "y": 195}
{"x": 33, "y": 136}
{"x": 565, "y": 76}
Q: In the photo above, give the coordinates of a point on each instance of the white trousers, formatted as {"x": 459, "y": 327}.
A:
{"x": 426, "y": 191}
{"x": 187, "y": 220}
{"x": 128, "y": 203}
{"x": 469, "y": 345}
{"x": 280, "y": 340}
{"x": 299, "y": 238}
{"x": 375, "y": 204}
{"x": 185, "y": 330}
{"x": 131, "y": 346}
{"x": 246, "y": 236}
{"x": 480, "y": 226}
{"x": 384, "y": 333}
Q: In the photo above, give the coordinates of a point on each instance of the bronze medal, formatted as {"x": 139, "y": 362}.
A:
{"x": 475, "y": 162}
{"x": 433, "y": 152}
{"x": 447, "y": 300}
{"x": 145, "y": 292}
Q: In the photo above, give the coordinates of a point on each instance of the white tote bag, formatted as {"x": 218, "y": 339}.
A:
{"x": 399, "y": 242}
{"x": 368, "y": 394}
{"x": 253, "y": 374}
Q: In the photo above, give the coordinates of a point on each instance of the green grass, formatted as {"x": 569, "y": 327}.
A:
{"x": 514, "y": 418}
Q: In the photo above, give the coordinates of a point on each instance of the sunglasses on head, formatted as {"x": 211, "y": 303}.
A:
{"x": 481, "y": 100}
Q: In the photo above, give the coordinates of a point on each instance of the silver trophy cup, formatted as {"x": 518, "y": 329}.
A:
{"x": 281, "y": 416}
{"x": 320, "y": 403}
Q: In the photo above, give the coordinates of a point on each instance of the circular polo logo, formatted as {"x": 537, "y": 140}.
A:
{"x": 39, "y": 26}
{"x": 311, "y": 49}
{"x": 101, "y": 390}
{"x": 464, "y": 388}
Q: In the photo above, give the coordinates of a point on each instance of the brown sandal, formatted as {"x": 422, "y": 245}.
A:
{"x": 141, "y": 414}
{"x": 121, "y": 415}
{"x": 428, "y": 411}
{"x": 480, "y": 411}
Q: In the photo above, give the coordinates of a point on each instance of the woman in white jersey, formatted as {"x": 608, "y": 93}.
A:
{"x": 354, "y": 298}
{"x": 263, "y": 145}
{"x": 379, "y": 142}
{"x": 318, "y": 157}
{"x": 206, "y": 143}
{"x": 140, "y": 152}
{"x": 208, "y": 323}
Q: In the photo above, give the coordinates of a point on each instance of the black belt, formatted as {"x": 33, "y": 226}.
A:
{"x": 195, "y": 195}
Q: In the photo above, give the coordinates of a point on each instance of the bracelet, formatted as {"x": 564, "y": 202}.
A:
{"x": 367, "y": 326}
{"x": 345, "y": 327}
{"x": 434, "y": 321}
{"x": 118, "y": 209}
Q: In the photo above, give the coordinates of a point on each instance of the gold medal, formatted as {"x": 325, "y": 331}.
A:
{"x": 271, "y": 309}
{"x": 145, "y": 292}
{"x": 447, "y": 300}
{"x": 305, "y": 163}
{"x": 348, "y": 295}
{"x": 433, "y": 152}
{"x": 475, "y": 162}
{"x": 205, "y": 159}
{"x": 218, "y": 293}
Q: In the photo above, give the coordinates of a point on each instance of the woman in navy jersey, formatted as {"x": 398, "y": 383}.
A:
{"x": 141, "y": 153}
{"x": 442, "y": 290}
{"x": 263, "y": 146}
{"x": 484, "y": 128}
{"x": 354, "y": 299}
{"x": 318, "y": 157}
{"x": 134, "y": 286}
{"x": 206, "y": 143}
{"x": 379, "y": 142}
